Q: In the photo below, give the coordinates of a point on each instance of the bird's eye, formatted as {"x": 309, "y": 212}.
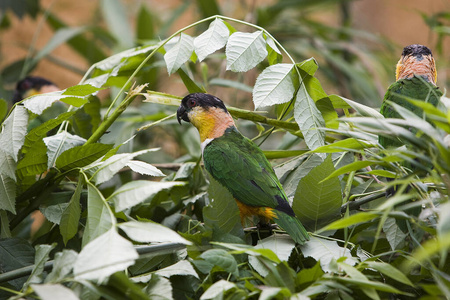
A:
{"x": 192, "y": 103}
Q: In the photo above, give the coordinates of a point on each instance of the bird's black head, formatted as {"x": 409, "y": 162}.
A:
{"x": 202, "y": 100}
{"x": 416, "y": 50}
{"x": 29, "y": 83}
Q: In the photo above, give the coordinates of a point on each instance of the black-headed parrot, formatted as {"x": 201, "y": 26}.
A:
{"x": 239, "y": 165}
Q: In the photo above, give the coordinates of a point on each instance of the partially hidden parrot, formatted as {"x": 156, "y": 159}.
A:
{"x": 32, "y": 85}
{"x": 239, "y": 165}
{"x": 416, "y": 61}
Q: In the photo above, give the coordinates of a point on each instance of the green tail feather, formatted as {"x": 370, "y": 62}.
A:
{"x": 292, "y": 226}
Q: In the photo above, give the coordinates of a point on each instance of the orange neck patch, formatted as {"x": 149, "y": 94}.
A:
{"x": 409, "y": 66}
{"x": 211, "y": 122}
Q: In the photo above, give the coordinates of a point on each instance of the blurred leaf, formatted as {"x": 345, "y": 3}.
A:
{"x": 245, "y": 50}
{"x": 208, "y": 8}
{"x": 275, "y": 85}
{"x": 361, "y": 109}
{"x": 68, "y": 226}
{"x": 149, "y": 232}
{"x": 212, "y": 39}
{"x": 115, "y": 17}
{"x": 103, "y": 256}
{"x": 317, "y": 200}
{"x": 145, "y": 24}
{"x": 99, "y": 216}
{"x": 54, "y": 292}
{"x": 3, "y": 109}
{"x": 179, "y": 53}
{"x": 231, "y": 84}
{"x": 7, "y": 194}
{"x": 191, "y": 86}
{"x": 80, "y": 156}
{"x": 389, "y": 271}
{"x": 14, "y": 129}
{"x": 218, "y": 289}
{"x": 159, "y": 288}
{"x": 62, "y": 265}
{"x": 144, "y": 168}
{"x": 351, "y": 220}
{"x": 325, "y": 251}
{"x": 135, "y": 192}
{"x": 309, "y": 119}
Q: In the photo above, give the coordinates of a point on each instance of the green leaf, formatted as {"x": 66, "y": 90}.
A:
{"x": 309, "y": 119}
{"x": 222, "y": 259}
{"x": 68, "y": 226}
{"x": 275, "y": 85}
{"x": 145, "y": 29}
{"x": 53, "y": 292}
{"x": 74, "y": 100}
{"x": 309, "y": 65}
{"x": 345, "y": 145}
{"x": 16, "y": 253}
{"x": 60, "y": 37}
{"x": 87, "y": 119}
{"x": 42, "y": 256}
{"x": 159, "y": 288}
{"x": 115, "y": 16}
{"x": 144, "y": 168}
{"x": 394, "y": 235}
{"x": 7, "y": 194}
{"x": 62, "y": 265}
{"x": 212, "y": 39}
{"x": 217, "y": 290}
{"x": 149, "y": 232}
{"x": 191, "y": 86}
{"x": 80, "y": 156}
{"x": 7, "y": 165}
{"x": 103, "y": 256}
{"x": 354, "y": 166}
{"x": 361, "y": 109}
{"x": 389, "y": 271}
{"x": 81, "y": 90}
{"x": 222, "y": 211}
{"x": 366, "y": 284}
{"x": 179, "y": 53}
{"x": 135, "y": 192}
{"x": 38, "y": 103}
{"x": 351, "y": 220}
{"x": 3, "y": 109}
{"x": 317, "y": 200}
{"x": 100, "y": 218}
{"x": 34, "y": 162}
{"x": 14, "y": 129}
{"x": 245, "y": 50}
{"x": 58, "y": 143}
{"x": 183, "y": 268}
{"x": 326, "y": 251}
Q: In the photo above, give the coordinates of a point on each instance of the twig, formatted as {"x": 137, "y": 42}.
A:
{"x": 353, "y": 205}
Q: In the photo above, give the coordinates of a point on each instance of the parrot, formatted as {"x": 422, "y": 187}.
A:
{"x": 32, "y": 85}
{"x": 416, "y": 61}
{"x": 239, "y": 164}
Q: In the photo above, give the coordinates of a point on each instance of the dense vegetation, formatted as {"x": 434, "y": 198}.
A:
{"x": 127, "y": 220}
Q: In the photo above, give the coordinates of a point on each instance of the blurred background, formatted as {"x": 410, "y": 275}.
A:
{"x": 356, "y": 43}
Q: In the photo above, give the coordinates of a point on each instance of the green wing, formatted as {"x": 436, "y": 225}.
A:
{"x": 239, "y": 165}
{"x": 414, "y": 88}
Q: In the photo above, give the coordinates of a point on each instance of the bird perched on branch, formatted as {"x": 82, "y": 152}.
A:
{"x": 239, "y": 165}
{"x": 416, "y": 79}
{"x": 32, "y": 85}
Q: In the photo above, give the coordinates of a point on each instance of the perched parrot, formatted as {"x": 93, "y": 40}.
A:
{"x": 32, "y": 85}
{"x": 416, "y": 61}
{"x": 239, "y": 165}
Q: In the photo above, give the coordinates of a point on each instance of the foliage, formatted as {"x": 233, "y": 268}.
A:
{"x": 120, "y": 224}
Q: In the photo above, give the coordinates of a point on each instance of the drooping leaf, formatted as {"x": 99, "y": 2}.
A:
{"x": 212, "y": 39}
{"x": 54, "y": 292}
{"x": 149, "y": 232}
{"x": 80, "y": 156}
{"x": 58, "y": 143}
{"x": 13, "y": 132}
{"x": 62, "y": 265}
{"x": 99, "y": 216}
{"x": 275, "y": 85}
{"x": 135, "y": 192}
{"x": 144, "y": 168}
{"x": 68, "y": 226}
{"x": 179, "y": 53}
{"x": 245, "y": 50}
{"x": 325, "y": 251}
{"x": 309, "y": 119}
{"x": 103, "y": 256}
{"x": 318, "y": 201}
{"x": 7, "y": 194}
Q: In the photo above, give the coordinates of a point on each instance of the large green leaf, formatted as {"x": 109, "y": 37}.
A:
{"x": 68, "y": 226}
{"x": 275, "y": 85}
{"x": 80, "y": 156}
{"x": 100, "y": 218}
{"x": 7, "y": 194}
{"x": 135, "y": 192}
{"x": 179, "y": 53}
{"x": 212, "y": 39}
{"x": 309, "y": 119}
{"x": 245, "y": 50}
{"x": 149, "y": 232}
{"x": 317, "y": 200}
{"x": 13, "y": 133}
{"x": 103, "y": 256}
